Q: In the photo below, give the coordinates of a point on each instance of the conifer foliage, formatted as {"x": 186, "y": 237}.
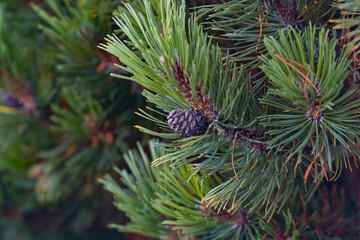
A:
{"x": 253, "y": 109}
{"x": 64, "y": 121}
{"x": 257, "y": 104}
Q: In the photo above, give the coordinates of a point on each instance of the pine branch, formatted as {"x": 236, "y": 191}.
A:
{"x": 240, "y": 26}
{"x": 165, "y": 204}
{"x": 312, "y": 108}
{"x": 231, "y": 98}
{"x": 308, "y": 123}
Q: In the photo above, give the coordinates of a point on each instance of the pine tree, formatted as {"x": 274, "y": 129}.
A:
{"x": 258, "y": 113}
{"x": 252, "y": 107}
{"x": 64, "y": 121}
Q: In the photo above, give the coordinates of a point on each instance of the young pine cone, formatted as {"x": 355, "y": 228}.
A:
{"x": 187, "y": 123}
{"x": 10, "y": 100}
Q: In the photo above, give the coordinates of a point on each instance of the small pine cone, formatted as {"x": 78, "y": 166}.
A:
{"x": 187, "y": 123}
{"x": 9, "y": 100}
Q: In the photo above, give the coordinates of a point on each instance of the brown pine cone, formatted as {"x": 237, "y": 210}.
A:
{"x": 187, "y": 122}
